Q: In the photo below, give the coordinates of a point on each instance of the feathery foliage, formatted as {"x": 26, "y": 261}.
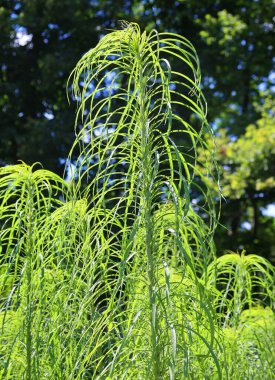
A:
{"x": 112, "y": 274}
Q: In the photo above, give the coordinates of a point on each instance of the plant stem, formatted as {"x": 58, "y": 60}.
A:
{"x": 148, "y": 220}
{"x": 29, "y": 253}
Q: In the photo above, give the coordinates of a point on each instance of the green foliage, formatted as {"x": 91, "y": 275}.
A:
{"x": 246, "y": 167}
{"x": 226, "y": 27}
{"x": 235, "y": 40}
{"x": 249, "y": 161}
{"x": 238, "y": 85}
{"x": 112, "y": 274}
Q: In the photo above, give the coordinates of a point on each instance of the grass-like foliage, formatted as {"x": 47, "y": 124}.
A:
{"x": 112, "y": 274}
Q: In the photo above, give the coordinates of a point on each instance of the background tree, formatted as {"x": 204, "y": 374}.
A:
{"x": 41, "y": 42}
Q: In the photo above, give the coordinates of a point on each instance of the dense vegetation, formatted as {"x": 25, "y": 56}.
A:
{"x": 112, "y": 273}
{"x": 42, "y": 40}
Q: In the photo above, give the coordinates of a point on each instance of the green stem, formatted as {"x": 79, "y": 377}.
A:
{"x": 148, "y": 221}
{"x": 29, "y": 251}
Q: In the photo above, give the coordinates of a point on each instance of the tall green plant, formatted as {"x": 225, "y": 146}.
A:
{"x": 108, "y": 275}
{"x": 145, "y": 155}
